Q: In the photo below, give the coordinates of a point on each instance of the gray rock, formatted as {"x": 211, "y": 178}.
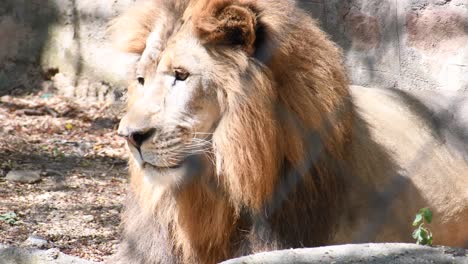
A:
{"x": 12, "y": 255}
{"x": 362, "y": 253}
{"x": 24, "y": 176}
{"x": 36, "y": 241}
{"x": 88, "y": 218}
{"x": 52, "y": 253}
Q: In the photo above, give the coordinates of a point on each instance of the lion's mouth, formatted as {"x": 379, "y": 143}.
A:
{"x": 161, "y": 168}
{"x": 155, "y": 162}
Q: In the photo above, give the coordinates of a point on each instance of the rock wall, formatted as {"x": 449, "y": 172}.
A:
{"x": 39, "y": 38}
{"x": 407, "y": 44}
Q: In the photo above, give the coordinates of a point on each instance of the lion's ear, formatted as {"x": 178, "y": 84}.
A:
{"x": 228, "y": 22}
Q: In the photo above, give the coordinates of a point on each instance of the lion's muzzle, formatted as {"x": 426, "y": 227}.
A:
{"x": 160, "y": 147}
{"x": 136, "y": 138}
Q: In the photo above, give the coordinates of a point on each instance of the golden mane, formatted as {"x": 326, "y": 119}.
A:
{"x": 264, "y": 141}
{"x": 289, "y": 146}
{"x": 137, "y": 24}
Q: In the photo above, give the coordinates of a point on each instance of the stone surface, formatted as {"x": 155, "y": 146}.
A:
{"x": 363, "y": 253}
{"x": 407, "y": 44}
{"x": 433, "y": 46}
{"x": 65, "y": 35}
{"x": 10, "y": 255}
{"x": 88, "y": 218}
{"x": 23, "y": 176}
{"x": 36, "y": 242}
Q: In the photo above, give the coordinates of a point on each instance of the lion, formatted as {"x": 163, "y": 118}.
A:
{"x": 245, "y": 136}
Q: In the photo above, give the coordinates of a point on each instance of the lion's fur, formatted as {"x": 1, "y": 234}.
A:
{"x": 297, "y": 163}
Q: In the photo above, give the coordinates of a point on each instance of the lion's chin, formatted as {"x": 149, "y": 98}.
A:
{"x": 163, "y": 175}
{"x": 174, "y": 175}
{"x": 157, "y": 175}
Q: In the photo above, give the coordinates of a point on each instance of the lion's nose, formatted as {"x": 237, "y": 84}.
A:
{"x": 137, "y": 137}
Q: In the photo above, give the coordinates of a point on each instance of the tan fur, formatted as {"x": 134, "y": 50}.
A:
{"x": 222, "y": 22}
{"x": 296, "y": 162}
{"x": 138, "y": 22}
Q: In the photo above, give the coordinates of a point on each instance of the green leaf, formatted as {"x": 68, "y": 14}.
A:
{"x": 429, "y": 240}
{"x": 424, "y": 236}
{"x": 416, "y": 233}
{"x": 427, "y": 214}
{"x": 418, "y": 219}
{"x": 10, "y": 218}
{"x": 422, "y": 233}
{"x": 47, "y": 95}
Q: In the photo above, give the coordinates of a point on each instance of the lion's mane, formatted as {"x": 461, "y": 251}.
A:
{"x": 286, "y": 146}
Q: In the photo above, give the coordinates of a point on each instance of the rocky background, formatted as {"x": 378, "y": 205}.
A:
{"x": 406, "y": 44}
{"x": 63, "y": 45}
{"x": 62, "y": 168}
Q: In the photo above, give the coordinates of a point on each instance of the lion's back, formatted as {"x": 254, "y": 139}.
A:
{"x": 425, "y": 134}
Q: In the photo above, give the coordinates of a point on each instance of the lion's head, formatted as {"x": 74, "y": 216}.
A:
{"x": 214, "y": 83}
{"x": 174, "y": 108}
{"x": 231, "y": 114}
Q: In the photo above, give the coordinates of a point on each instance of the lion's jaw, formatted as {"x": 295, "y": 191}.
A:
{"x": 175, "y": 106}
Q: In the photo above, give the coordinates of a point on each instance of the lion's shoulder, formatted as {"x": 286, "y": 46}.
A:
{"x": 424, "y": 134}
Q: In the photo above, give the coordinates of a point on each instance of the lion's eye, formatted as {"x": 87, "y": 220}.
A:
{"x": 141, "y": 80}
{"x": 181, "y": 75}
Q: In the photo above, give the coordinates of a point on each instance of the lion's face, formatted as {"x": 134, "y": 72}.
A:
{"x": 173, "y": 110}
{"x": 199, "y": 88}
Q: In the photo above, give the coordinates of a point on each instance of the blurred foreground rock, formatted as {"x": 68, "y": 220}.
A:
{"x": 363, "y": 253}
{"x": 36, "y": 256}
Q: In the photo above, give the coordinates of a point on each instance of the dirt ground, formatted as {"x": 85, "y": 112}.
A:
{"x": 77, "y": 203}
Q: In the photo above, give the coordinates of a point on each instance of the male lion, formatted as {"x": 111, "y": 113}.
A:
{"x": 245, "y": 137}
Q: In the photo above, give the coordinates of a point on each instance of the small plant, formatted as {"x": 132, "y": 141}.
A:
{"x": 8, "y": 165}
{"x": 68, "y": 126}
{"x": 10, "y": 218}
{"x": 422, "y": 234}
{"x": 56, "y": 153}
